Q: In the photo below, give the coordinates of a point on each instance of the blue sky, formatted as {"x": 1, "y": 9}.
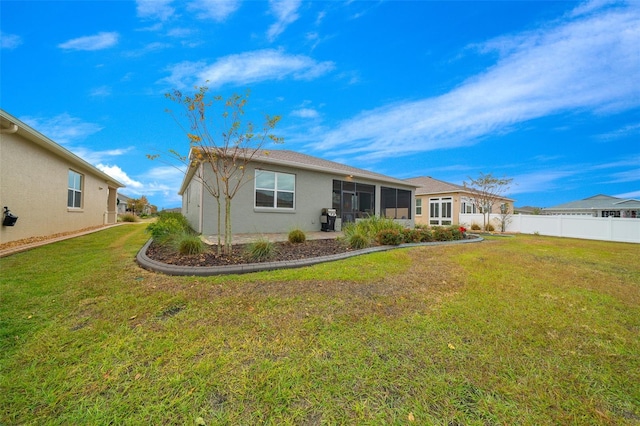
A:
{"x": 544, "y": 92}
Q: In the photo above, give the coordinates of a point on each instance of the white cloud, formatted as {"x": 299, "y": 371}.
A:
{"x": 151, "y": 47}
{"x": 97, "y": 157}
{"x": 631, "y": 129}
{"x": 286, "y": 13}
{"x": 588, "y": 64}
{"x": 62, "y": 128}
{"x": 628, "y": 195}
{"x": 161, "y": 181}
{"x": 102, "y": 40}
{"x": 100, "y": 92}
{"x": 180, "y": 32}
{"x": 218, "y": 10}
{"x": 305, "y": 113}
{"x": 9, "y": 41}
{"x": 118, "y": 174}
{"x": 155, "y": 9}
{"x": 247, "y": 68}
{"x": 540, "y": 181}
{"x": 632, "y": 175}
{"x": 166, "y": 173}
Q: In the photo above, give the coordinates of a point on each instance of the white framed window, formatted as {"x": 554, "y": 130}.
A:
{"x": 74, "y": 190}
{"x": 468, "y": 206}
{"x": 418, "y": 206}
{"x": 440, "y": 211}
{"x": 275, "y": 189}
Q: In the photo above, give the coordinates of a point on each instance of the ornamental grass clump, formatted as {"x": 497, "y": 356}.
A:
{"x": 128, "y": 217}
{"x": 189, "y": 244}
{"x": 260, "y": 250}
{"x": 358, "y": 241}
{"x": 297, "y": 236}
{"x": 356, "y": 234}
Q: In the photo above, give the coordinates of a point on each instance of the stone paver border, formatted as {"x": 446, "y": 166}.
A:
{"x": 204, "y": 271}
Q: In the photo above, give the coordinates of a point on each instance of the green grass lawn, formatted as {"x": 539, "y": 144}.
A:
{"x": 523, "y": 330}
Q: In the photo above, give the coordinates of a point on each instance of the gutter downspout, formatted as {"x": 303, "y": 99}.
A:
{"x": 9, "y": 130}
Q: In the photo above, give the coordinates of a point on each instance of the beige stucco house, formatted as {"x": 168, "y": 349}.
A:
{"x": 440, "y": 203}
{"x": 50, "y": 189}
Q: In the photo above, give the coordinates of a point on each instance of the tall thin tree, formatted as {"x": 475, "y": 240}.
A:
{"x": 219, "y": 151}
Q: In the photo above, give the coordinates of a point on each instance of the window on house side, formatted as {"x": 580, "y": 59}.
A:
{"x": 274, "y": 189}
{"x": 440, "y": 211}
{"x": 418, "y": 206}
{"x": 74, "y": 192}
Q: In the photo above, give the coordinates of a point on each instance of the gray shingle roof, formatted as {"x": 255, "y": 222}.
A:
{"x": 307, "y": 162}
{"x": 428, "y": 185}
{"x": 304, "y": 161}
{"x": 598, "y": 202}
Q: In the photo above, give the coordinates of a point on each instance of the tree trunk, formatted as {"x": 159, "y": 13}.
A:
{"x": 219, "y": 247}
{"x": 228, "y": 237}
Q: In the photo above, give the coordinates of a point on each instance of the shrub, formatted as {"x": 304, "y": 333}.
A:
{"x": 261, "y": 249}
{"x": 456, "y": 232}
{"x": 390, "y": 237}
{"x": 412, "y": 235}
{"x": 168, "y": 227}
{"x": 297, "y": 236}
{"x": 489, "y": 228}
{"x": 441, "y": 233}
{"x": 163, "y": 230}
{"x": 426, "y": 235}
{"x": 475, "y": 227}
{"x": 189, "y": 244}
{"x": 179, "y": 217}
{"x": 128, "y": 217}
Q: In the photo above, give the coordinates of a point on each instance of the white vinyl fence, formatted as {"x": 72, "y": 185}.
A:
{"x": 592, "y": 228}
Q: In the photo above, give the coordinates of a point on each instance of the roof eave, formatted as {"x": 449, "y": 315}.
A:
{"x": 38, "y": 138}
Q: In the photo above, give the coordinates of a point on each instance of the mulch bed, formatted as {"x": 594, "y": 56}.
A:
{"x": 285, "y": 251}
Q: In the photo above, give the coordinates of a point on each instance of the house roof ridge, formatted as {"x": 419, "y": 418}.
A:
{"x": 433, "y": 185}
{"x": 50, "y": 145}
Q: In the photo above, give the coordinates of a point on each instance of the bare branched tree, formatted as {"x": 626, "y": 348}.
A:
{"x": 487, "y": 191}
{"x": 219, "y": 150}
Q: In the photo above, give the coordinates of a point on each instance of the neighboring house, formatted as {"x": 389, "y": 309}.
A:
{"x": 598, "y": 206}
{"x": 287, "y": 190}
{"x": 527, "y": 210}
{"x": 125, "y": 206}
{"x": 49, "y": 189}
{"x": 440, "y": 203}
{"x": 123, "y": 203}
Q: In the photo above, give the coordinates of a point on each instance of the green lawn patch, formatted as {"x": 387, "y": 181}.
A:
{"x": 523, "y": 330}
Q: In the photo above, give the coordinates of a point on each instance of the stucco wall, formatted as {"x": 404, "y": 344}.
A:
{"x": 456, "y": 207}
{"x": 313, "y": 193}
{"x": 34, "y": 183}
{"x": 191, "y": 200}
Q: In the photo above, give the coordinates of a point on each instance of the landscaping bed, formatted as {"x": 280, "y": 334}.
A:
{"x": 284, "y": 251}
